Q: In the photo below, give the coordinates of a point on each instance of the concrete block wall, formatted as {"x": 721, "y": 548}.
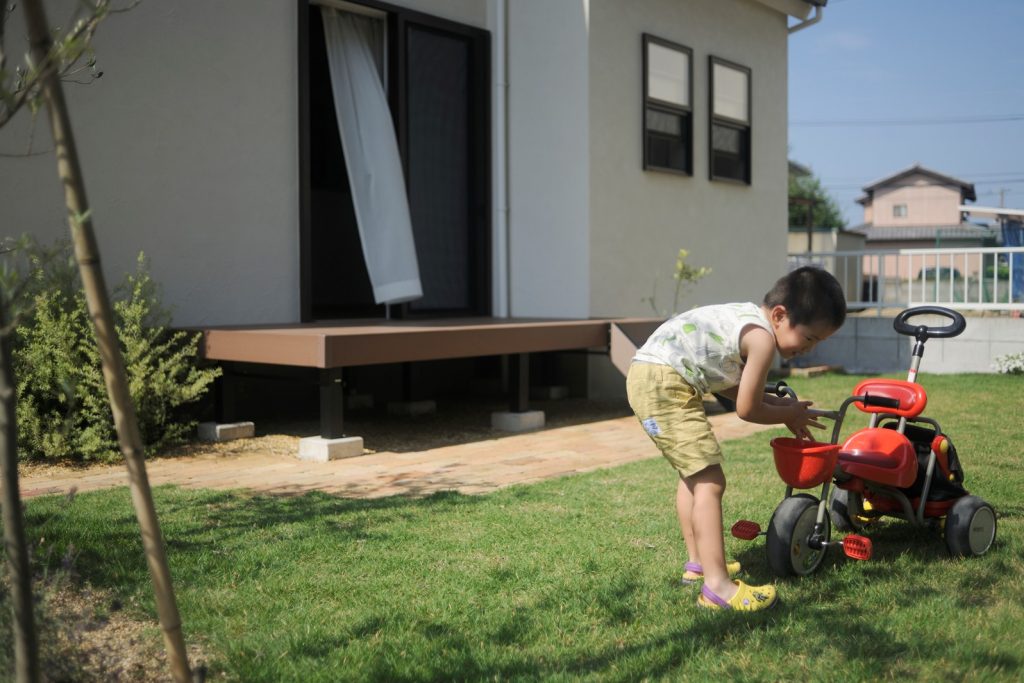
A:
{"x": 871, "y": 345}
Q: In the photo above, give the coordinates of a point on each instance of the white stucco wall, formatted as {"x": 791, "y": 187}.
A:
{"x": 640, "y": 219}
{"x": 547, "y": 158}
{"x": 189, "y": 149}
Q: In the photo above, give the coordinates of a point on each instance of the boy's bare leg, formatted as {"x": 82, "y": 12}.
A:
{"x": 684, "y": 509}
{"x": 707, "y": 487}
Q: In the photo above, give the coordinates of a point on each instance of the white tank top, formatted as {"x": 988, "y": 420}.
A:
{"x": 703, "y": 344}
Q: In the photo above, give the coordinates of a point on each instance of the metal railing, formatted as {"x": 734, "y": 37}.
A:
{"x": 990, "y": 279}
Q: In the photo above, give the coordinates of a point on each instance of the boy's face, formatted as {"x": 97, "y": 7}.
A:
{"x": 794, "y": 340}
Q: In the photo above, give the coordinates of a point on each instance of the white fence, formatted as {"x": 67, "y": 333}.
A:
{"x": 966, "y": 279}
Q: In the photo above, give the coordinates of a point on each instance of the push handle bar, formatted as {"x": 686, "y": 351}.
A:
{"x": 922, "y": 332}
{"x": 880, "y": 401}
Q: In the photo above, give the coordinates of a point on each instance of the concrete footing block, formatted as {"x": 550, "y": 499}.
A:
{"x": 508, "y": 421}
{"x": 411, "y": 408}
{"x": 319, "y": 449}
{"x": 226, "y": 431}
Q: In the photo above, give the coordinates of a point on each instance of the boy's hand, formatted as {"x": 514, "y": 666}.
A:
{"x": 802, "y": 418}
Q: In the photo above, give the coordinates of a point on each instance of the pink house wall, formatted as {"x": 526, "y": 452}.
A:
{"x": 927, "y": 204}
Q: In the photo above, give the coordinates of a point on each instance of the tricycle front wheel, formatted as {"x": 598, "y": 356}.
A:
{"x": 789, "y": 533}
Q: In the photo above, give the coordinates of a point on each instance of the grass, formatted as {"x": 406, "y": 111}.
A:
{"x": 569, "y": 579}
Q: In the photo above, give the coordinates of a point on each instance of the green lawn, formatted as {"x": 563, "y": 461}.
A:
{"x": 574, "y": 578}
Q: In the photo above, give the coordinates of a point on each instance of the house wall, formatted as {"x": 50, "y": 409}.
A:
{"x": 549, "y": 211}
{"x": 640, "y": 219}
{"x": 927, "y": 203}
{"x": 188, "y": 144}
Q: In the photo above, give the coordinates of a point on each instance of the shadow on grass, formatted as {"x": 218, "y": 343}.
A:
{"x": 513, "y": 644}
{"x": 198, "y": 525}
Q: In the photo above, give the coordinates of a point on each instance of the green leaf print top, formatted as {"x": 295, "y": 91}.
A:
{"x": 703, "y": 344}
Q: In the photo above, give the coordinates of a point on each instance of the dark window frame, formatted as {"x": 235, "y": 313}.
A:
{"x": 745, "y": 128}
{"x": 651, "y": 103}
{"x": 397, "y": 21}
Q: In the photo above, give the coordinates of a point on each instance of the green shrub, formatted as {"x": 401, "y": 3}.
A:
{"x": 63, "y": 410}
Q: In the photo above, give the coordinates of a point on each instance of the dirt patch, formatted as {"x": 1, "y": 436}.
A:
{"x": 87, "y": 635}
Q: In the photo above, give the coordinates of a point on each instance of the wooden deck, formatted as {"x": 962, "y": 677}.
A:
{"x": 371, "y": 342}
{"x": 332, "y": 347}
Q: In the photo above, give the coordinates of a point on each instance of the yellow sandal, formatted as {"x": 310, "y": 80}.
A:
{"x": 747, "y": 598}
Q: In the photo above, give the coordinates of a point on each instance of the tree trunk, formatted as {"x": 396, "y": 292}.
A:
{"x": 26, "y": 654}
{"x": 88, "y": 257}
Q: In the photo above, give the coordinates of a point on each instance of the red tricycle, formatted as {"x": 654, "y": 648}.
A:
{"x": 901, "y": 465}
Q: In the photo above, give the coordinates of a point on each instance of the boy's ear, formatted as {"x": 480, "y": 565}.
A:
{"x": 778, "y": 314}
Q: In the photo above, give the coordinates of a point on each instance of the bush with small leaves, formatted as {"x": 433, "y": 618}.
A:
{"x": 63, "y": 411}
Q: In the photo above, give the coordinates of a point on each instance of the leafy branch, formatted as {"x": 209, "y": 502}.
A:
{"x": 685, "y": 276}
{"x": 71, "y": 54}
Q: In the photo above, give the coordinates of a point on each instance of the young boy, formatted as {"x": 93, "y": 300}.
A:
{"x": 726, "y": 349}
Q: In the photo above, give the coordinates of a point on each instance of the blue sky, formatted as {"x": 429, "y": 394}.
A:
{"x": 910, "y": 62}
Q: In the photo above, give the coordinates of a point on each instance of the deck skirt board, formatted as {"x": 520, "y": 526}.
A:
{"x": 371, "y": 342}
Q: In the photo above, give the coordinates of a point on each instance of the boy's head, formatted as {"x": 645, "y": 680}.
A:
{"x": 804, "y": 307}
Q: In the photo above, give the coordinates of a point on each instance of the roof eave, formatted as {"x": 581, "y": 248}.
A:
{"x": 798, "y": 9}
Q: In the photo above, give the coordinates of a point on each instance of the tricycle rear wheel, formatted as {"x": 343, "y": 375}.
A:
{"x": 970, "y": 527}
{"x": 844, "y": 507}
{"x": 788, "y": 534}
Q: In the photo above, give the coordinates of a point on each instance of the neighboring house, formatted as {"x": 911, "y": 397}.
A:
{"x": 919, "y": 208}
{"x": 556, "y": 155}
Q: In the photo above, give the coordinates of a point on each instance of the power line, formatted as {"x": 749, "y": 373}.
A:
{"x": 942, "y": 121}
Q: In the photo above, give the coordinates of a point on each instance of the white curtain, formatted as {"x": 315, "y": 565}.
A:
{"x": 371, "y": 156}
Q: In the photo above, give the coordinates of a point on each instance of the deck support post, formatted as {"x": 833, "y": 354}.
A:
{"x": 226, "y": 395}
{"x": 519, "y": 382}
{"x": 332, "y": 404}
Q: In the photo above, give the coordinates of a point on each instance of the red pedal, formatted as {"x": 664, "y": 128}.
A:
{"x": 857, "y": 547}
{"x": 746, "y": 530}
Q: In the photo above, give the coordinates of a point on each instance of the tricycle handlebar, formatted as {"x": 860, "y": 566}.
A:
{"x": 922, "y": 332}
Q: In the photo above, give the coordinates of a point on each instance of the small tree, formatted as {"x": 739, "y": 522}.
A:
{"x": 53, "y": 55}
{"x": 685, "y": 276}
{"x": 811, "y": 195}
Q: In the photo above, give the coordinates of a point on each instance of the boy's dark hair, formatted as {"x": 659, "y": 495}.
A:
{"x": 810, "y": 295}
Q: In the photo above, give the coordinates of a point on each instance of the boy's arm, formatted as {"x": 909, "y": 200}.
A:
{"x": 758, "y": 346}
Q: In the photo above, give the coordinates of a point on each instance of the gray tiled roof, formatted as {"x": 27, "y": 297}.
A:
{"x": 924, "y": 232}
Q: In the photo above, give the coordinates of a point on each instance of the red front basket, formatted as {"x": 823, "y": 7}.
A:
{"x": 804, "y": 464}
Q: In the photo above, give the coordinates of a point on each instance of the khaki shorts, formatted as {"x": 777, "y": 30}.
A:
{"x": 672, "y": 413}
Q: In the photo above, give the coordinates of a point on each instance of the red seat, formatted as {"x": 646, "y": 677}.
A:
{"x": 911, "y": 396}
{"x": 879, "y": 455}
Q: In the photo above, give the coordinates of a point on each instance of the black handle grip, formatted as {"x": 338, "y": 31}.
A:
{"x": 779, "y": 388}
{"x": 922, "y": 332}
{"x": 880, "y": 401}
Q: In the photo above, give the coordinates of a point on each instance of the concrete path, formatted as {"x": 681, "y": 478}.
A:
{"x": 475, "y": 467}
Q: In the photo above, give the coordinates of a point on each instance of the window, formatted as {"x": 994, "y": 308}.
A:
{"x": 730, "y": 121}
{"x": 668, "y": 90}
{"x": 899, "y": 210}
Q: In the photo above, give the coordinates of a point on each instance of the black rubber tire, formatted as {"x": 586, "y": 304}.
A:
{"x": 970, "y": 527}
{"x": 844, "y": 507}
{"x": 788, "y": 530}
